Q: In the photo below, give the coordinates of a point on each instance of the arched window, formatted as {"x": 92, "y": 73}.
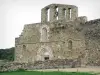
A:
{"x": 44, "y": 34}
{"x": 69, "y": 44}
{"x": 24, "y": 47}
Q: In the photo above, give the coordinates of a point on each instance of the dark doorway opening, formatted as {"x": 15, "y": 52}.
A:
{"x": 46, "y": 58}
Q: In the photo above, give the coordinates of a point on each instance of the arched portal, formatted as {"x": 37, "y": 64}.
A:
{"x": 46, "y": 56}
{"x": 44, "y": 53}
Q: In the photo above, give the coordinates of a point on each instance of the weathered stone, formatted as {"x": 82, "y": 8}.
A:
{"x": 68, "y": 37}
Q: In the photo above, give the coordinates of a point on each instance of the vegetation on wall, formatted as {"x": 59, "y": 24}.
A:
{"x": 7, "y": 54}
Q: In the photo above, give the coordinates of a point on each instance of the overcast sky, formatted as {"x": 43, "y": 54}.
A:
{"x": 15, "y": 13}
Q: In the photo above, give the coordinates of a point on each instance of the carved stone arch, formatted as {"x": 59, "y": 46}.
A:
{"x": 44, "y": 51}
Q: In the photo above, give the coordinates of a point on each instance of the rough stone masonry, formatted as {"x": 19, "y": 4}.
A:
{"x": 61, "y": 34}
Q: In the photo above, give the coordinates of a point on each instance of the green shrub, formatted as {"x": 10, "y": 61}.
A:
{"x": 21, "y": 69}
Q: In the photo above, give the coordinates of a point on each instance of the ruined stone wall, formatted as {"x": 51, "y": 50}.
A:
{"x": 50, "y": 64}
{"x": 92, "y": 34}
{"x": 26, "y": 44}
{"x": 62, "y": 33}
{"x": 93, "y": 53}
{"x": 63, "y": 38}
{"x": 58, "y": 12}
{"x": 31, "y": 45}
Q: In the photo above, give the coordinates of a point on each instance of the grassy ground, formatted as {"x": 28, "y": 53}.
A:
{"x": 44, "y": 73}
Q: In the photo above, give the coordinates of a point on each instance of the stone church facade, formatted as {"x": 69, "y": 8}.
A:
{"x": 61, "y": 34}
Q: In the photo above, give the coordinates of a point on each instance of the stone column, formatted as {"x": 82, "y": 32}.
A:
{"x": 61, "y": 13}
{"x": 52, "y": 13}
{"x": 44, "y": 15}
{"x": 74, "y": 13}
{"x": 67, "y": 14}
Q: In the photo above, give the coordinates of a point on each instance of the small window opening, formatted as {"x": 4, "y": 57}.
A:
{"x": 44, "y": 34}
{"x": 70, "y": 44}
{"x": 24, "y": 47}
{"x": 46, "y": 58}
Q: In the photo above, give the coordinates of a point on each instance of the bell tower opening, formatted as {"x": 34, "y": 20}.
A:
{"x": 54, "y": 12}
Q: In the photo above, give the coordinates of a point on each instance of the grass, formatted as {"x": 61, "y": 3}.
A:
{"x": 44, "y": 73}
